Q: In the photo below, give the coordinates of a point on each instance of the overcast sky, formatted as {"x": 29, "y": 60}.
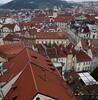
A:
{"x": 81, "y": 0}
{"x": 5, "y": 1}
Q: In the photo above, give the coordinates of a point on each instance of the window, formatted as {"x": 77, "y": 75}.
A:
{"x": 37, "y": 42}
{"x": 93, "y": 36}
{"x": 79, "y": 64}
{"x": 62, "y": 42}
{"x": 57, "y": 42}
{"x": 37, "y": 98}
{"x": 42, "y": 42}
{"x": 78, "y": 68}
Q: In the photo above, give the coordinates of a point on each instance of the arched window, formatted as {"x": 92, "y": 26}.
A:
{"x": 37, "y": 98}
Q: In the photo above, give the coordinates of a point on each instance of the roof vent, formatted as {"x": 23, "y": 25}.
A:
{"x": 14, "y": 98}
{"x": 34, "y": 57}
{"x": 48, "y": 60}
{"x": 50, "y": 64}
{"x": 53, "y": 69}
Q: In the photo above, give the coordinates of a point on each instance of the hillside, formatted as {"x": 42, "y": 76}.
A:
{"x": 35, "y": 4}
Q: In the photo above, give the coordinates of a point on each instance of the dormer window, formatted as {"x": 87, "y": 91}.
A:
{"x": 14, "y": 88}
{"x": 35, "y": 57}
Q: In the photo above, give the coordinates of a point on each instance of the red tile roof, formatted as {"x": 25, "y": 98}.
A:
{"x": 82, "y": 56}
{"x": 9, "y": 26}
{"x": 70, "y": 49}
{"x": 63, "y": 19}
{"x": 11, "y": 37}
{"x": 38, "y": 76}
{"x": 27, "y": 24}
{"x": 40, "y": 49}
{"x": 10, "y": 50}
{"x": 53, "y": 51}
{"x": 51, "y": 35}
{"x": 90, "y": 44}
{"x": 94, "y": 47}
{"x": 92, "y": 18}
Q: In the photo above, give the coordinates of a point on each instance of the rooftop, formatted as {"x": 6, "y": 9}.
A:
{"x": 38, "y": 75}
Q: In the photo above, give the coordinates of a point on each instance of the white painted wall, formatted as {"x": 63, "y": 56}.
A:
{"x": 83, "y": 66}
{"x": 43, "y": 97}
{"x": 8, "y": 86}
{"x": 52, "y": 41}
{"x": 17, "y": 28}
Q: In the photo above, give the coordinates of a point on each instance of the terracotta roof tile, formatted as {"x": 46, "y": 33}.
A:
{"x": 10, "y": 50}
{"x": 11, "y": 37}
{"x": 82, "y": 56}
{"x": 51, "y": 35}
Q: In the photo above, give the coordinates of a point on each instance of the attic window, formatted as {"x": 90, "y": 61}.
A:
{"x": 37, "y": 98}
{"x": 34, "y": 57}
{"x": 14, "y": 98}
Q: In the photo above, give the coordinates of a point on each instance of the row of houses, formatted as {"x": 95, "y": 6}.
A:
{"x": 40, "y": 24}
{"x": 30, "y": 36}
{"x": 72, "y": 56}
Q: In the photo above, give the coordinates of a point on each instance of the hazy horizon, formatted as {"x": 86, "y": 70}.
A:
{"x": 6, "y": 1}
{"x": 81, "y": 0}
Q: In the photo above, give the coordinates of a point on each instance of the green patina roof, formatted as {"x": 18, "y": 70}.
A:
{"x": 57, "y": 65}
{"x": 1, "y": 66}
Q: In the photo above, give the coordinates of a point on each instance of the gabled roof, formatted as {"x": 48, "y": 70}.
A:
{"x": 26, "y": 24}
{"x": 91, "y": 44}
{"x": 52, "y": 51}
{"x": 82, "y": 56}
{"x": 40, "y": 49}
{"x": 38, "y": 76}
{"x": 9, "y": 26}
{"x": 11, "y": 37}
